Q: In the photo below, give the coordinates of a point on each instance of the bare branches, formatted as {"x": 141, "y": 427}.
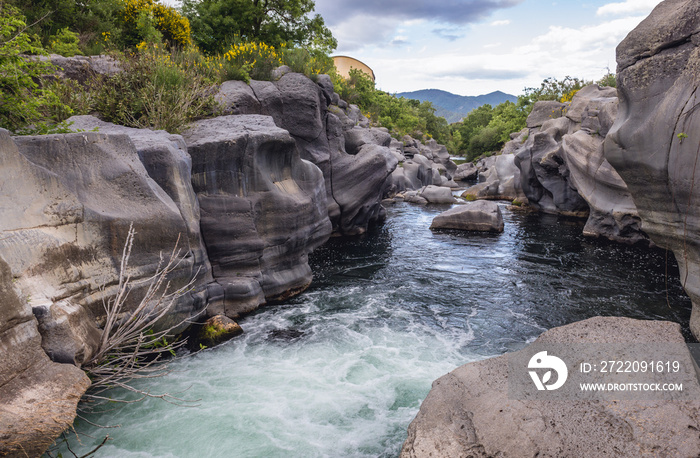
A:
{"x": 130, "y": 348}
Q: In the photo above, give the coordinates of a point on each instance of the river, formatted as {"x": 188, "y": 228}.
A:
{"x": 341, "y": 370}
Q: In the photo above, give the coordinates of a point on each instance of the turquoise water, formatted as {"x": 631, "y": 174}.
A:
{"x": 342, "y": 369}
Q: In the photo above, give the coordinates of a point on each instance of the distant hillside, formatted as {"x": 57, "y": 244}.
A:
{"x": 454, "y": 107}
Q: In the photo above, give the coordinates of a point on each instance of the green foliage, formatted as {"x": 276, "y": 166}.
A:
{"x": 487, "y": 129}
{"x": 154, "y": 91}
{"x": 609, "y": 80}
{"x": 23, "y": 101}
{"x": 401, "y": 116}
{"x": 310, "y": 62}
{"x": 218, "y": 23}
{"x": 553, "y": 89}
{"x": 89, "y": 19}
{"x": 65, "y": 43}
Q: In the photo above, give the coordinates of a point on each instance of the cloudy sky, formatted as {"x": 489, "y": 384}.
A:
{"x": 473, "y": 47}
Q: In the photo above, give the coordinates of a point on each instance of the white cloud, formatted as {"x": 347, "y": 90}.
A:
{"x": 500, "y": 23}
{"x": 628, "y": 7}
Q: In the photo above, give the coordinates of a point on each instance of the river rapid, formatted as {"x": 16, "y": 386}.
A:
{"x": 341, "y": 370}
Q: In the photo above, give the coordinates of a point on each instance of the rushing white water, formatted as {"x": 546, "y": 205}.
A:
{"x": 342, "y": 369}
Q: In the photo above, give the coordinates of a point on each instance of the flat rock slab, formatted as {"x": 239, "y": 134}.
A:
{"x": 469, "y": 412}
{"x": 480, "y": 216}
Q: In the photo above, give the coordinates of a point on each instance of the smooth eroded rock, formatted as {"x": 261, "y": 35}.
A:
{"x": 653, "y": 144}
{"x": 478, "y": 216}
{"x": 469, "y": 411}
{"x": 263, "y": 210}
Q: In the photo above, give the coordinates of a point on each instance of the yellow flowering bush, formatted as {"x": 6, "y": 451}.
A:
{"x": 174, "y": 27}
{"x": 257, "y": 59}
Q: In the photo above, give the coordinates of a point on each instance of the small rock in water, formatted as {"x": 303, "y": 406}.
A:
{"x": 217, "y": 330}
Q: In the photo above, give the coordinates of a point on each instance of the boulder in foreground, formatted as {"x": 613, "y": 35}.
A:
{"x": 469, "y": 412}
{"x": 481, "y": 216}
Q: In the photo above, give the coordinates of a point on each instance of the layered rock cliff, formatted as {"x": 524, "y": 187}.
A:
{"x": 328, "y": 133}
{"x": 655, "y": 142}
{"x": 244, "y": 197}
{"x": 563, "y": 170}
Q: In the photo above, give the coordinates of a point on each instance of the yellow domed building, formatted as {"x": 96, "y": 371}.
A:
{"x": 344, "y": 63}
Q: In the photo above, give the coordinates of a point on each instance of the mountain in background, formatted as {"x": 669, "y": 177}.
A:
{"x": 454, "y": 107}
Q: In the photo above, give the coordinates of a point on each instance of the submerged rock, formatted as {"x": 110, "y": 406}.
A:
{"x": 469, "y": 412}
{"x": 480, "y": 216}
{"x": 653, "y": 144}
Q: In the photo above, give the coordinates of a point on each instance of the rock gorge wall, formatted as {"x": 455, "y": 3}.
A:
{"x": 655, "y": 141}
{"x": 328, "y": 133}
{"x": 563, "y": 169}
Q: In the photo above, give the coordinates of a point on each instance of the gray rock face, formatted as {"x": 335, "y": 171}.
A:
{"x": 499, "y": 180}
{"x": 237, "y": 97}
{"x": 38, "y": 397}
{"x": 468, "y": 412}
{"x": 263, "y": 209}
{"x": 437, "y": 195}
{"x": 544, "y": 175}
{"x": 543, "y": 112}
{"x": 653, "y": 144}
{"x": 479, "y": 216}
{"x": 421, "y": 165}
{"x": 466, "y": 172}
{"x": 563, "y": 170}
{"x": 613, "y": 214}
{"x": 67, "y": 207}
{"x": 336, "y": 139}
{"x": 81, "y": 68}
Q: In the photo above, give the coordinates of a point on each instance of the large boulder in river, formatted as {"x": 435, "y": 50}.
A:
{"x": 479, "y": 216}
{"x": 263, "y": 209}
{"x": 653, "y": 144}
{"x": 437, "y": 195}
{"x": 475, "y": 411}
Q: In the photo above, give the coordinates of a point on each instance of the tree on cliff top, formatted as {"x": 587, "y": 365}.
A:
{"x": 216, "y": 24}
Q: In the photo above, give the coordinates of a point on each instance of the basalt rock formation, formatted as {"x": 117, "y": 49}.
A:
{"x": 499, "y": 179}
{"x": 263, "y": 209}
{"x": 653, "y": 144}
{"x": 330, "y": 134}
{"x": 563, "y": 169}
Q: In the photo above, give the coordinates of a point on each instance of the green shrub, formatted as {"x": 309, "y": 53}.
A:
{"x": 25, "y": 106}
{"x": 154, "y": 91}
{"x": 65, "y": 43}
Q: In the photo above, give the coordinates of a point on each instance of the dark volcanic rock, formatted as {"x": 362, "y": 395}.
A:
{"x": 263, "y": 209}
{"x": 479, "y": 216}
{"x": 324, "y": 135}
{"x": 469, "y": 412}
{"x": 653, "y": 144}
